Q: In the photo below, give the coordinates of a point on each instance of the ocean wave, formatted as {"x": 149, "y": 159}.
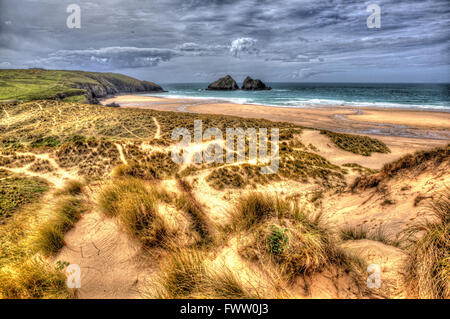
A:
{"x": 277, "y": 101}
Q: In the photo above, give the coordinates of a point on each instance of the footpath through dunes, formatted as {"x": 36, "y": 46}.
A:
{"x": 142, "y": 226}
{"x": 111, "y": 263}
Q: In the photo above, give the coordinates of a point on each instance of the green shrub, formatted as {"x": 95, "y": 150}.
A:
{"x": 277, "y": 240}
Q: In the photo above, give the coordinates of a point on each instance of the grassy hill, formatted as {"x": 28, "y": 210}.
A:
{"x": 74, "y": 86}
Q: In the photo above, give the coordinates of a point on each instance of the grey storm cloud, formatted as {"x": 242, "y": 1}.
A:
{"x": 195, "y": 49}
{"x": 183, "y": 40}
{"x": 117, "y": 57}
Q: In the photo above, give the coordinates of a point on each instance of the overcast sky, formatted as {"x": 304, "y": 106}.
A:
{"x": 201, "y": 40}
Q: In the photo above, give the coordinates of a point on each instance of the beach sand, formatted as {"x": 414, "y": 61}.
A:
{"x": 403, "y": 130}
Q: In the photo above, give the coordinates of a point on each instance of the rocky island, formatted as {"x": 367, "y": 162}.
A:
{"x": 254, "y": 85}
{"x": 226, "y": 83}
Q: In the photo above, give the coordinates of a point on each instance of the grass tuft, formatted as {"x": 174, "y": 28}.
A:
{"x": 353, "y": 233}
{"x": 252, "y": 209}
{"x": 135, "y": 206}
{"x": 201, "y": 222}
{"x": 72, "y": 187}
{"x": 33, "y": 279}
{"x": 294, "y": 241}
{"x": 50, "y": 237}
{"x": 185, "y": 275}
{"x": 428, "y": 265}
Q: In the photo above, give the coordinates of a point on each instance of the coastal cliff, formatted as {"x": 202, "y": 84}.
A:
{"x": 110, "y": 84}
{"x": 74, "y": 86}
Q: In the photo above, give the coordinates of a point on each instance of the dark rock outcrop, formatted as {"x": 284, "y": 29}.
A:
{"x": 105, "y": 84}
{"x": 254, "y": 85}
{"x": 224, "y": 84}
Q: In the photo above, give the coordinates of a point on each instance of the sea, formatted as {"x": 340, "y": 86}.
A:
{"x": 298, "y": 95}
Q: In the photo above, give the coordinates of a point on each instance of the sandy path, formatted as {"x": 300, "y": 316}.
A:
{"x": 158, "y": 128}
{"x": 121, "y": 155}
{"x": 390, "y": 259}
{"x": 110, "y": 262}
{"x": 57, "y": 177}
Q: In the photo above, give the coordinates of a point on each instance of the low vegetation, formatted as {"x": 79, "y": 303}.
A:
{"x": 357, "y": 144}
{"x": 413, "y": 163}
{"x": 200, "y": 220}
{"x": 17, "y": 191}
{"x": 158, "y": 165}
{"x": 135, "y": 205}
{"x": 71, "y": 187}
{"x": 291, "y": 239}
{"x": 33, "y": 279}
{"x": 185, "y": 274}
{"x": 254, "y": 208}
{"x": 294, "y": 165}
{"x": 428, "y": 265}
{"x": 66, "y": 212}
{"x": 361, "y": 232}
{"x": 360, "y": 169}
{"x": 29, "y": 235}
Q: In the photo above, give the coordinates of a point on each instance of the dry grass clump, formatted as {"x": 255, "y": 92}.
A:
{"x": 353, "y": 233}
{"x": 71, "y": 187}
{"x": 416, "y": 163}
{"x": 33, "y": 279}
{"x": 23, "y": 272}
{"x": 357, "y": 144}
{"x": 300, "y": 247}
{"x": 285, "y": 235}
{"x": 254, "y": 208}
{"x": 135, "y": 206}
{"x": 428, "y": 265}
{"x": 181, "y": 274}
{"x": 136, "y": 170}
{"x": 361, "y": 232}
{"x": 66, "y": 212}
{"x": 185, "y": 275}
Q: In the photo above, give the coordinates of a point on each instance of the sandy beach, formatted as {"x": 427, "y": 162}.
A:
{"x": 428, "y": 127}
